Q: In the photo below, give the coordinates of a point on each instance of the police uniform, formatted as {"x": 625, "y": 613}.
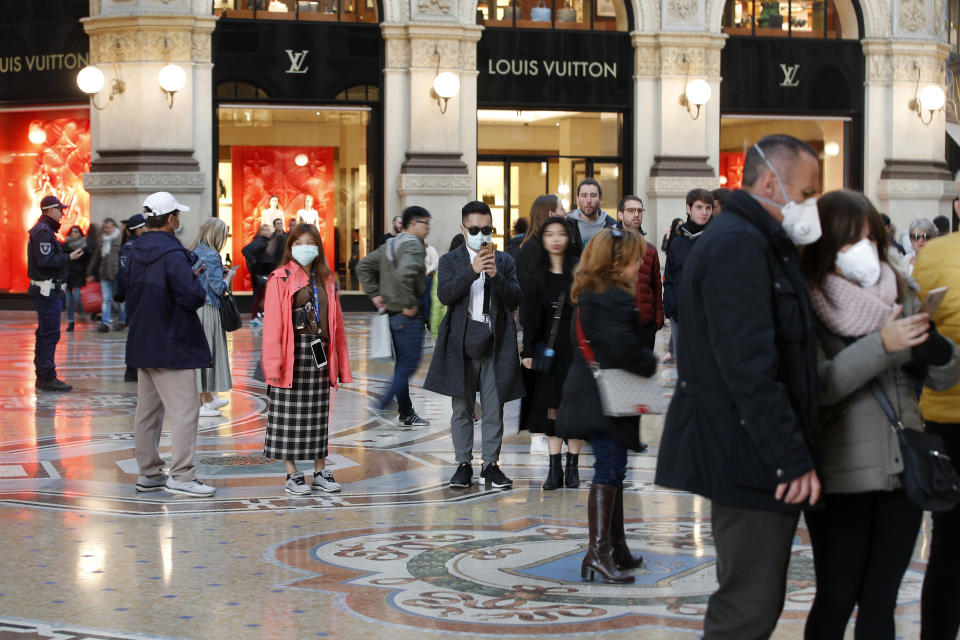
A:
{"x": 47, "y": 268}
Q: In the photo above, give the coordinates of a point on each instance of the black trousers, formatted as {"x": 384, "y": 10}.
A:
{"x": 940, "y": 603}
{"x": 753, "y": 552}
{"x": 47, "y": 335}
{"x": 862, "y": 544}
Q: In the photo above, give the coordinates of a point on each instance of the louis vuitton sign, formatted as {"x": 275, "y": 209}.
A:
{"x": 552, "y": 68}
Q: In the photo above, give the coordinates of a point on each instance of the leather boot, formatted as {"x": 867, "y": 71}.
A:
{"x": 599, "y": 559}
{"x": 555, "y": 474}
{"x": 622, "y": 556}
{"x": 572, "y": 477}
{"x": 69, "y": 326}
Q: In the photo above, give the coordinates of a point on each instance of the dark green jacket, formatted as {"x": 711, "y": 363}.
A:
{"x": 396, "y": 271}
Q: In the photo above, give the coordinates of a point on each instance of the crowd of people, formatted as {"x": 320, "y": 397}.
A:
{"x": 793, "y": 315}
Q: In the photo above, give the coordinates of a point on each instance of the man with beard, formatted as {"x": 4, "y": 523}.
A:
{"x": 589, "y": 219}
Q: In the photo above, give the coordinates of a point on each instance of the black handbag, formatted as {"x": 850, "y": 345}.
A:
{"x": 230, "y": 312}
{"x": 929, "y": 478}
{"x": 544, "y": 354}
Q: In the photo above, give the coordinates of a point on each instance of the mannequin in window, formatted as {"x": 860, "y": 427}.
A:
{"x": 308, "y": 215}
{"x": 272, "y": 212}
{"x": 278, "y": 6}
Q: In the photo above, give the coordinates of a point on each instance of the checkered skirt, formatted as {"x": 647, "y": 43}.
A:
{"x": 298, "y": 417}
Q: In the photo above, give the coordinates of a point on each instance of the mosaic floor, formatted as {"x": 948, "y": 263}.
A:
{"x": 396, "y": 555}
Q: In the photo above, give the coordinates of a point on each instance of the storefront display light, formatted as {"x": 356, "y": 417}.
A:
{"x": 832, "y": 149}
{"x": 171, "y": 78}
{"x": 931, "y": 99}
{"x": 90, "y": 80}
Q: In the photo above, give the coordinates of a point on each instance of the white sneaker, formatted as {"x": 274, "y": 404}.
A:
{"x": 155, "y": 483}
{"x": 324, "y": 481}
{"x": 296, "y": 485}
{"x": 206, "y": 411}
{"x": 189, "y": 488}
{"x": 218, "y": 403}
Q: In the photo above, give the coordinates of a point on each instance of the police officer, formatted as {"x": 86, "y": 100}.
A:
{"x": 47, "y": 269}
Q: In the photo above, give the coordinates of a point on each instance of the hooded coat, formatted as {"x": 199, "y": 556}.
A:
{"x": 396, "y": 271}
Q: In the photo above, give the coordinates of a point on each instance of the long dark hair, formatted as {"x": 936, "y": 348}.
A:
{"x": 538, "y": 278}
{"x": 842, "y": 216}
{"x": 319, "y": 269}
{"x": 541, "y": 209}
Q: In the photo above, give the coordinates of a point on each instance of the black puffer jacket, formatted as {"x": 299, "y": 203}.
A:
{"x": 744, "y": 416}
{"x": 612, "y": 324}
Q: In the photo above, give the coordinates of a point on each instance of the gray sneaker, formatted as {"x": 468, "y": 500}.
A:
{"x": 154, "y": 483}
{"x": 296, "y": 485}
{"x": 324, "y": 481}
{"x": 386, "y": 417}
{"x": 193, "y": 488}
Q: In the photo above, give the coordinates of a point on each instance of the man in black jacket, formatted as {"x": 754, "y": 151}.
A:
{"x": 740, "y": 430}
{"x": 259, "y": 264}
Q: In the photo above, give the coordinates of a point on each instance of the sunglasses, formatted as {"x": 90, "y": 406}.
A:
{"x": 917, "y": 237}
{"x": 487, "y": 230}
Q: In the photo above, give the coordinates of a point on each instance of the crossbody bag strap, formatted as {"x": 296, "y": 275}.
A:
{"x": 584, "y": 344}
{"x": 884, "y": 403}
{"x": 555, "y": 328}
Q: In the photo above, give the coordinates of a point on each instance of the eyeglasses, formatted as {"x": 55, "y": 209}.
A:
{"x": 632, "y": 210}
{"x": 426, "y": 222}
{"x": 917, "y": 237}
{"x": 487, "y": 230}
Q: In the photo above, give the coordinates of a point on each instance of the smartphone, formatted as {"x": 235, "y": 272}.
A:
{"x": 319, "y": 354}
{"x": 932, "y": 302}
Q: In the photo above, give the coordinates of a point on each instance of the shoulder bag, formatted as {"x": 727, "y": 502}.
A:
{"x": 624, "y": 393}
{"x": 230, "y": 316}
{"x": 544, "y": 354}
{"x": 928, "y": 477}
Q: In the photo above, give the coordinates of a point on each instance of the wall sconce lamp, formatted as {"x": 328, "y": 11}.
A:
{"x": 696, "y": 93}
{"x": 445, "y": 85}
{"x": 171, "y": 79}
{"x": 91, "y": 81}
{"x": 931, "y": 99}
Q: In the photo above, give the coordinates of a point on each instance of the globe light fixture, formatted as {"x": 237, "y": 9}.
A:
{"x": 696, "y": 93}
{"x": 300, "y": 160}
{"x": 91, "y": 81}
{"x": 445, "y": 85}
{"x": 36, "y": 134}
{"x": 832, "y": 149}
{"x": 171, "y": 79}
{"x": 929, "y": 101}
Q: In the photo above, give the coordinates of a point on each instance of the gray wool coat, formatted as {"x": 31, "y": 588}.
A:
{"x": 455, "y": 276}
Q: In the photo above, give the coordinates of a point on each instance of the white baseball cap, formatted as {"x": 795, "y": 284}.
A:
{"x": 162, "y": 203}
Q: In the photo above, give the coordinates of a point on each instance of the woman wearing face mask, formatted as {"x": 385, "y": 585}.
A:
{"x": 548, "y": 291}
{"x": 76, "y": 274}
{"x": 869, "y": 327}
{"x": 302, "y": 314}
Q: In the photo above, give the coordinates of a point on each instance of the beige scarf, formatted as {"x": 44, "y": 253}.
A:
{"x": 852, "y": 311}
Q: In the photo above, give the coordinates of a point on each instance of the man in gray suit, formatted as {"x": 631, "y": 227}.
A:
{"x": 477, "y": 343}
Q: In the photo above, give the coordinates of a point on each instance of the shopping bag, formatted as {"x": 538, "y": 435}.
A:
{"x": 381, "y": 342}
{"x": 91, "y": 298}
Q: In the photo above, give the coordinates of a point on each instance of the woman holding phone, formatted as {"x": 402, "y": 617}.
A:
{"x": 304, "y": 356}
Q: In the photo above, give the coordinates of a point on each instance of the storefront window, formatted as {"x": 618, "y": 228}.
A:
{"x": 599, "y": 15}
{"x": 311, "y": 10}
{"x": 525, "y": 154}
{"x": 773, "y": 18}
{"x": 43, "y": 151}
{"x": 827, "y": 136}
{"x": 314, "y": 160}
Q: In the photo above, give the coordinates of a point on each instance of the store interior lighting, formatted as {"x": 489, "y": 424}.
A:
{"x": 930, "y": 100}
{"x": 91, "y": 81}
{"x": 832, "y": 149}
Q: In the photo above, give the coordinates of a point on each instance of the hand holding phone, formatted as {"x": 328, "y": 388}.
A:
{"x": 932, "y": 302}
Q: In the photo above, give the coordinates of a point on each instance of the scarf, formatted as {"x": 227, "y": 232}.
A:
{"x": 852, "y": 311}
{"x": 76, "y": 243}
{"x": 691, "y": 229}
{"x": 106, "y": 242}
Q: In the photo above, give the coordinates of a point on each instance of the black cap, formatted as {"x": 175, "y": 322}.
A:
{"x": 135, "y": 221}
{"x": 49, "y": 202}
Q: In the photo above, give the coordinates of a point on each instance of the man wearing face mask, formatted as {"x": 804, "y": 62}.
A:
{"x": 477, "y": 343}
{"x": 165, "y": 344}
{"x": 741, "y": 427}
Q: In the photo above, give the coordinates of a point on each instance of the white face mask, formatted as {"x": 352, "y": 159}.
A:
{"x": 860, "y": 263}
{"x": 801, "y": 220}
{"x": 305, "y": 253}
{"x": 475, "y": 242}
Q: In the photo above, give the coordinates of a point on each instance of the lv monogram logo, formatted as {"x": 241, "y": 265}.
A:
{"x": 297, "y": 58}
{"x": 790, "y": 74}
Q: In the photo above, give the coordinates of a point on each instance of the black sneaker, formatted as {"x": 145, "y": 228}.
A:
{"x": 53, "y": 385}
{"x": 413, "y": 420}
{"x": 492, "y": 476}
{"x": 463, "y": 477}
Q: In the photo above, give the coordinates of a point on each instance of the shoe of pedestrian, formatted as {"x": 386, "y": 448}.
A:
{"x": 103, "y": 328}
{"x": 151, "y": 483}
{"x": 53, "y": 385}
{"x": 324, "y": 481}
{"x": 206, "y": 411}
{"x": 643, "y": 447}
{"x": 494, "y": 477}
{"x": 571, "y": 478}
{"x": 296, "y": 485}
{"x": 120, "y": 326}
{"x": 625, "y": 559}
{"x": 383, "y": 416}
{"x": 463, "y": 476}
{"x": 193, "y": 488}
{"x": 554, "y": 474}
{"x": 599, "y": 559}
{"x": 413, "y": 420}
{"x": 218, "y": 403}
{"x": 69, "y": 327}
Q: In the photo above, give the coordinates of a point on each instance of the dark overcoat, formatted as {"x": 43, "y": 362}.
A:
{"x": 455, "y": 277}
{"x": 744, "y": 416}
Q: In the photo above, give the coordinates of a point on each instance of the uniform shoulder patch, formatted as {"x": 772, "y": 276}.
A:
{"x": 46, "y": 248}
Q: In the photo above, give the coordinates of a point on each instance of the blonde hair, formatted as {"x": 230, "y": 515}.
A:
{"x": 213, "y": 233}
{"x": 604, "y": 258}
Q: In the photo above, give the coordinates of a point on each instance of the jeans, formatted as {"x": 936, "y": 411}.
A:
{"x": 609, "y": 460}
{"x": 48, "y": 335}
{"x": 73, "y": 300}
{"x": 106, "y": 307}
{"x": 407, "y": 336}
{"x": 939, "y": 613}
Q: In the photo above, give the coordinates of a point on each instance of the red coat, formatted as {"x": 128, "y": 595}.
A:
{"x": 278, "y": 332}
{"x": 649, "y": 294}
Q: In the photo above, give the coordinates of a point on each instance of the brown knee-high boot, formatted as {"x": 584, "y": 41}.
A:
{"x": 599, "y": 559}
{"x": 622, "y": 556}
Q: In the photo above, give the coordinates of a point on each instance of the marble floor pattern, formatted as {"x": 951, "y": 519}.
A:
{"x": 396, "y": 555}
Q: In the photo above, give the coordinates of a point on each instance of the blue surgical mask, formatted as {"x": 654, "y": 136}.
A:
{"x": 305, "y": 253}
{"x": 475, "y": 241}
